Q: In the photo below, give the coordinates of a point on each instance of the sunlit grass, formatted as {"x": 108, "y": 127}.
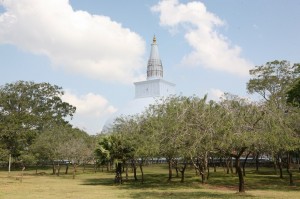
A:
{"x": 262, "y": 184}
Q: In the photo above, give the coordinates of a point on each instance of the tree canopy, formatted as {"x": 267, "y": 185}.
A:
{"x": 26, "y": 108}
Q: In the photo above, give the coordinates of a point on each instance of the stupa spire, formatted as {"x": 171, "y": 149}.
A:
{"x": 154, "y": 39}
{"x": 154, "y": 67}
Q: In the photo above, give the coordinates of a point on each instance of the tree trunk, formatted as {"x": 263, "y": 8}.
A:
{"x": 53, "y": 168}
{"x": 74, "y": 170}
{"x": 275, "y": 165}
{"x": 134, "y": 169}
{"x": 279, "y": 162}
{"x": 9, "y": 164}
{"x": 67, "y": 168}
{"x": 231, "y": 165}
{"x": 84, "y": 167}
{"x": 202, "y": 170}
{"x": 240, "y": 174}
{"x": 257, "y": 161}
{"x": 227, "y": 165}
{"x": 95, "y": 166}
{"x": 207, "y": 175}
{"x": 214, "y": 164}
{"x": 118, "y": 177}
{"x": 108, "y": 166}
{"x": 223, "y": 164}
{"x": 175, "y": 165}
{"x": 58, "y": 169}
{"x": 244, "y": 163}
{"x": 142, "y": 172}
{"x": 288, "y": 169}
{"x": 238, "y": 168}
{"x": 170, "y": 169}
{"x": 202, "y": 176}
{"x": 182, "y": 170}
{"x": 126, "y": 171}
{"x": 205, "y": 166}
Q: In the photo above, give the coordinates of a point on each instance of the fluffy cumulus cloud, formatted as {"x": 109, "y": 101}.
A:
{"x": 91, "y": 110}
{"x": 76, "y": 41}
{"x": 210, "y": 48}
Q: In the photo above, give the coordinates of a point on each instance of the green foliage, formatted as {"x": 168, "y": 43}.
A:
{"x": 62, "y": 142}
{"x": 293, "y": 95}
{"x": 26, "y": 108}
{"x": 191, "y": 129}
{"x": 273, "y": 80}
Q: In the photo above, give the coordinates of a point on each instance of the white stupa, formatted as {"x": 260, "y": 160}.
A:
{"x": 146, "y": 92}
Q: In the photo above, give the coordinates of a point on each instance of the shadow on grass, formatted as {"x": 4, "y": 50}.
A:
{"x": 156, "y": 188}
{"x": 157, "y": 181}
{"x": 186, "y": 195}
{"x": 262, "y": 180}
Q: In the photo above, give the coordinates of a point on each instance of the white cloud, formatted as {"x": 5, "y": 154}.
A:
{"x": 215, "y": 94}
{"x": 75, "y": 41}
{"x": 91, "y": 110}
{"x": 210, "y": 48}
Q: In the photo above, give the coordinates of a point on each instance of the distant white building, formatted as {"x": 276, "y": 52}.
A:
{"x": 146, "y": 92}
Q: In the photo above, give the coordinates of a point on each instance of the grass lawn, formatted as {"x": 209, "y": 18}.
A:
{"x": 263, "y": 184}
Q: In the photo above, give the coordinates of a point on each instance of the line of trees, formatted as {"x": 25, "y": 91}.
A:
{"x": 193, "y": 130}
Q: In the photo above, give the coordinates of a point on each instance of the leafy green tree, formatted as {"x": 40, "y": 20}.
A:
{"x": 26, "y": 108}
{"x": 113, "y": 148}
{"x": 293, "y": 95}
{"x": 240, "y": 129}
{"x": 281, "y": 135}
{"x": 201, "y": 121}
{"x": 76, "y": 150}
{"x": 273, "y": 80}
{"x": 136, "y": 134}
{"x": 47, "y": 147}
{"x": 294, "y": 92}
{"x": 103, "y": 151}
{"x": 168, "y": 123}
{"x": 277, "y": 83}
{"x": 125, "y": 128}
{"x": 59, "y": 143}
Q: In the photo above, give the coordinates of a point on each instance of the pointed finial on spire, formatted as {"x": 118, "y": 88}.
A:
{"x": 154, "y": 67}
{"x": 154, "y": 39}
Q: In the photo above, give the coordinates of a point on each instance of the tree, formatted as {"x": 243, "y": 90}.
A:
{"x": 136, "y": 133}
{"x": 277, "y": 82}
{"x": 60, "y": 144}
{"x": 273, "y": 80}
{"x": 168, "y": 117}
{"x": 26, "y": 108}
{"x": 103, "y": 151}
{"x": 75, "y": 150}
{"x": 293, "y": 95}
{"x": 48, "y": 146}
{"x": 113, "y": 148}
{"x": 240, "y": 129}
{"x": 201, "y": 119}
{"x": 281, "y": 135}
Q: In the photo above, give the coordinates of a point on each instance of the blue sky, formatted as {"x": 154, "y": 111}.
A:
{"x": 96, "y": 49}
